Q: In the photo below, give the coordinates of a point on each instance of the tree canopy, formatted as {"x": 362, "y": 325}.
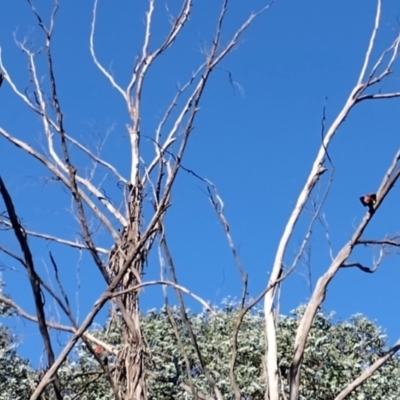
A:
{"x": 336, "y": 353}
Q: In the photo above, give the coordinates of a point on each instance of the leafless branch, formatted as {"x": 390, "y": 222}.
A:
{"x": 394, "y": 48}
{"x": 186, "y": 321}
{"x": 56, "y": 239}
{"x": 368, "y": 372}
{"x": 53, "y": 325}
{"x": 376, "y": 263}
{"x": 319, "y": 293}
{"x": 371, "y": 43}
{"x": 384, "y": 242}
{"x": 218, "y": 206}
{"x": 62, "y": 177}
{"x": 97, "y": 159}
{"x": 360, "y": 266}
{"x": 167, "y": 283}
{"x": 316, "y": 171}
{"x": 34, "y": 281}
{"x": 57, "y": 126}
{"x": 378, "y": 96}
{"x": 94, "y": 56}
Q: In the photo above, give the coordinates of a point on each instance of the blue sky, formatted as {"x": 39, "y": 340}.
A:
{"x": 256, "y": 140}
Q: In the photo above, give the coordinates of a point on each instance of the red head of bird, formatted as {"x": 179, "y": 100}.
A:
{"x": 368, "y": 200}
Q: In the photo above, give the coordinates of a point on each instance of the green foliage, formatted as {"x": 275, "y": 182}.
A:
{"x": 214, "y": 335}
{"x": 336, "y": 353}
{"x": 15, "y": 374}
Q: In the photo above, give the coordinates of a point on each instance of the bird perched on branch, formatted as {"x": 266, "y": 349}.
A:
{"x": 369, "y": 200}
{"x": 103, "y": 355}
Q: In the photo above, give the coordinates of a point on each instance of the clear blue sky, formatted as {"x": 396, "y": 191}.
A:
{"x": 255, "y": 142}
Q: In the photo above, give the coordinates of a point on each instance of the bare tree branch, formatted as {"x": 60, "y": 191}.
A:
{"x": 186, "y": 321}
{"x": 53, "y": 325}
{"x": 319, "y": 293}
{"x": 96, "y": 61}
{"x": 368, "y": 372}
{"x": 371, "y": 44}
{"x": 316, "y": 172}
{"x": 56, "y": 239}
{"x": 360, "y": 266}
{"x": 34, "y": 281}
{"x": 385, "y": 242}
